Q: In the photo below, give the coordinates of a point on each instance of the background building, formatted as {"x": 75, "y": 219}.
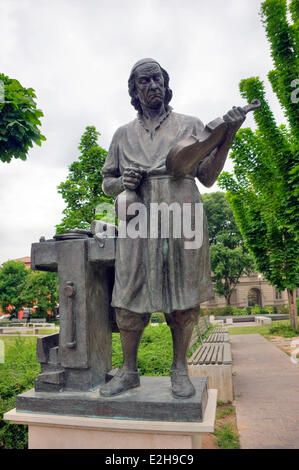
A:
{"x": 251, "y": 290}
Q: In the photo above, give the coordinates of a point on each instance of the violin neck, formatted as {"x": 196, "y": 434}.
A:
{"x": 255, "y": 104}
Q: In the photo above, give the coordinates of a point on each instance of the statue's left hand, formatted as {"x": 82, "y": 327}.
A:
{"x": 132, "y": 177}
{"x": 234, "y": 118}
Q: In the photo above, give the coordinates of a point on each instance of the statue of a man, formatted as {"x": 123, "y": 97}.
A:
{"x": 159, "y": 274}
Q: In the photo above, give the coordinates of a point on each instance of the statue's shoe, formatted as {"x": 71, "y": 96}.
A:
{"x": 122, "y": 381}
{"x": 182, "y": 386}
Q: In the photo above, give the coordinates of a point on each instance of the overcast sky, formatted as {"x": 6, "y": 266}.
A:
{"x": 77, "y": 55}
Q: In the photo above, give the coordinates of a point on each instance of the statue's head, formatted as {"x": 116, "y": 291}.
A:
{"x": 149, "y": 85}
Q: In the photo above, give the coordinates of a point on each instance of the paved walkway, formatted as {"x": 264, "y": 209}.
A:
{"x": 266, "y": 389}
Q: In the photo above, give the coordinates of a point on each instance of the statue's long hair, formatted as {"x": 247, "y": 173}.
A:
{"x": 132, "y": 90}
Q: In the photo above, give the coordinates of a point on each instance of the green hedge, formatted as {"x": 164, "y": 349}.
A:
{"x": 254, "y": 310}
{"x": 155, "y": 351}
{"x": 218, "y": 311}
{"x": 283, "y": 329}
{"x": 158, "y": 317}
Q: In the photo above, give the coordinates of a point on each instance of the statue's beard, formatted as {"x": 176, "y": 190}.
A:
{"x": 155, "y": 100}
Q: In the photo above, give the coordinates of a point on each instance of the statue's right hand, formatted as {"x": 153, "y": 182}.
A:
{"x": 132, "y": 178}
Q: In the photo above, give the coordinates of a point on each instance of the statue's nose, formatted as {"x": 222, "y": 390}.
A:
{"x": 153, "y": 83}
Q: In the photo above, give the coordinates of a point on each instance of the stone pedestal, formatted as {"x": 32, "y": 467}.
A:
{"x": 56, "y": 431}
{"x": 153, "y": 400}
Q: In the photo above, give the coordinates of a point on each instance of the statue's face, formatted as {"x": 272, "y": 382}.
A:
{"x": 150, "y": 87}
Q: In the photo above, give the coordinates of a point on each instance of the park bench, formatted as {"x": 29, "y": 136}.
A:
{"x": 198, "y": 332}
{"x": 213, "y": 359}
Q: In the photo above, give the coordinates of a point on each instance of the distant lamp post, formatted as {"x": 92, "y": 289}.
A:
{"x": 260, "y": 287}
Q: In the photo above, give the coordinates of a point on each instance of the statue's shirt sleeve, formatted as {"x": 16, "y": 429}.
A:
{"x": 111, "y": 165}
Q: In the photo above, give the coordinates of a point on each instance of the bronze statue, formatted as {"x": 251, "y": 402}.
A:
{"x": 160, "y": 274}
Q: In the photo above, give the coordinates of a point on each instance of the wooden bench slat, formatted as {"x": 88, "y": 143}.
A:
{"x": 203, "y": 356}
{"x": 198, "y": 355}
{"x": 215, "y": 354}
{"x": 220, "y": 330}
{"x": 217, "y": 338}
{"x": 210, "y": 353}
{"x": 194, "y": 358}
{"x": 227, "y": 355}
{"x": 220, "y": 355}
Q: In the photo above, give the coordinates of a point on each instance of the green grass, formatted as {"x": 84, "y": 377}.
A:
{"x": 278, "y": 328}
{"x": 283, "y": 329}
{"x": 17, "y": 374}
{"x": 222, "y": 413}
{"x": 226, "y": 437}
{"x": 220, "y": 403}
{"x": 225, "y": 431}
{"x": 248, "y": 330}
{"x": 10, "y": 341}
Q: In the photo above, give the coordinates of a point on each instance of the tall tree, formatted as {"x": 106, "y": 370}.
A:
{"x": 13, "y": 275}
{"x": 263, "y": 191}
{"x": 82, "y": 190}
{"x": 19, "y": 120}
{"x": 21, "y": 287}
{"x": 221, "y": 219}
{"x": 229, "y": 258}
{"x": 41, "y": 292}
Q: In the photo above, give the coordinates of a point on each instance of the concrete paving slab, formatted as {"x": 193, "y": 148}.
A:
{"x": 266, "y": 391}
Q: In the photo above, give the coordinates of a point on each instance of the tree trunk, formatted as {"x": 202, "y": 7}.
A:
{"x": 293, "y": 308}
{"x": 227, "y": 298}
